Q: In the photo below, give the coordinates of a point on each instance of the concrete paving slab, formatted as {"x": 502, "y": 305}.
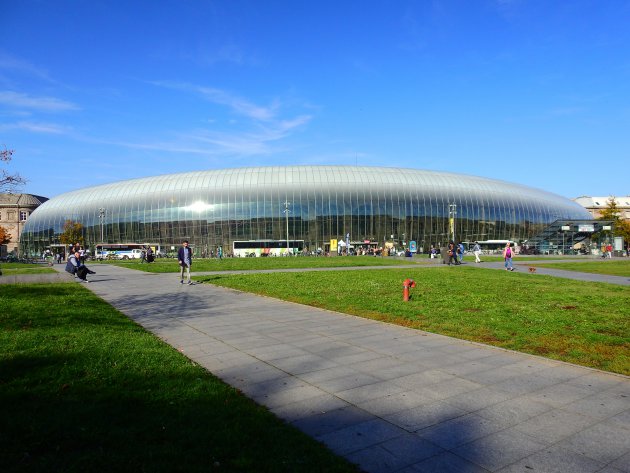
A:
{"x": 555, "y": 460}
{"x": 387, "y": 398}
{"x": 394, "y": 454}
{"x": 331, "y": 421}
{"x": 357, "y": 437}
{"x": 425, "y": 415}
{"x": 445, "y": 462}
{"x": 500, "y": 449}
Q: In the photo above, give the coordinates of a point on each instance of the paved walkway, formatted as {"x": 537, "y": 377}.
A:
{"x": 387, "y": 398}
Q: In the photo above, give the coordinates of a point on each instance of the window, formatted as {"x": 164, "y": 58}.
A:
{"x": 23, "y": 215}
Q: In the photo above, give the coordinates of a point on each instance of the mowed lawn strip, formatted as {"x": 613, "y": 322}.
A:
{"x": 11, "y": 269}
{"x": 83, "y": 388}
{"x": 574, "y": 321}
{"x": 609, "y": 267}
{"x": 169, "y": 265}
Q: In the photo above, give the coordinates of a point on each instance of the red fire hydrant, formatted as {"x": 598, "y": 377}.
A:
{"x": 407, "y": 283}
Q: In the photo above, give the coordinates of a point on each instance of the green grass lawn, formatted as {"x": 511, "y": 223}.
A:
{"x": 84, "y": 389}
{"x": 25, "y": 268}
{"x": 579, "y": 322}
{"x": 168, "y": 265}
{"x": 610, "y": 267}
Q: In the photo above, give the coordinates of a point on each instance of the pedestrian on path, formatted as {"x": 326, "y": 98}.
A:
{"x": 184, "y": 257}
{"x": 477, "y": 252}
{"x": 508, "y": 253}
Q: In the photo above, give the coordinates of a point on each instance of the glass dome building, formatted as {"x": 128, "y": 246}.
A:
{"x": 316, "y": 204}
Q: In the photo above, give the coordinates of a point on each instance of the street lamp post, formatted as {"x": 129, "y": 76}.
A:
{"x": 452, "y": 213}
{"x": 286, "y": 213}
{"x": 101, "y": 216}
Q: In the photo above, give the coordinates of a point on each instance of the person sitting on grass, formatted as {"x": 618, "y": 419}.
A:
{"x": 77, "y": 268}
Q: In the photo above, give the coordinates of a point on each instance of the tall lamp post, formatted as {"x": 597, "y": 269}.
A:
{"x": 452, "y": 213}
{"x": 101, "y": 216}
{"x": 286, "y": 213}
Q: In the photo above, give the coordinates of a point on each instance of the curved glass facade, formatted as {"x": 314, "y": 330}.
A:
{"x": 215, "y": 208}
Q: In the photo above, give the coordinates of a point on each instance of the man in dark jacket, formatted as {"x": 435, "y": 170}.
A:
{"x": 74, "y": 266}
{"x": 184, "y": 258}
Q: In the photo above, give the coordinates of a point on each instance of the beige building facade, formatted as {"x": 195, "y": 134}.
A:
{"x": 595, "y": 205}
{"x": 15, "y": 210}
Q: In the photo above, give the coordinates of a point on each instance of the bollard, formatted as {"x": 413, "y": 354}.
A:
{"x": 407, "y": 283}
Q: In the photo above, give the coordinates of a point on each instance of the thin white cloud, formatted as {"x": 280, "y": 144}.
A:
{"x": 25, "y": 101}
{"x": 266, "y": 129}
{"x": 10, "y": 63}
{"x": 237, "y": 104}
{"x": 33, "y": 127}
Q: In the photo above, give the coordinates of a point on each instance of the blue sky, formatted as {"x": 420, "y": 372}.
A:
{"x": 534, "y": 92}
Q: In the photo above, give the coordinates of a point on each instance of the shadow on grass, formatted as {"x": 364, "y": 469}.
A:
{"x": 160, "y": 421}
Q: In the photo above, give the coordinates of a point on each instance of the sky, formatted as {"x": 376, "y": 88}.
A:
{"x": 527, "y": 91}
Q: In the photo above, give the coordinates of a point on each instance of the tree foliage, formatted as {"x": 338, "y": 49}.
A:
{"x": 5, "y": 237}
{"x": 611, "y": 212}
{"x": 72, "y": 233}
{"x": 622, "y": 229}
{"x": 9, "y": 182}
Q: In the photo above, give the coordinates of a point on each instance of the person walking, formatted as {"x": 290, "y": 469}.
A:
{"x": 460, "y": 252}
{"x": 609, "y": 250}
{"x": 150, "y": 256}
{"x": 477, "y": 252}
{"x": 508, "y": 253}
{"x": 184, "y": 258}
{"x": 452, "y": 256}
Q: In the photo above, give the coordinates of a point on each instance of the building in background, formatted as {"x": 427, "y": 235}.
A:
{"x": 595, "y": 205}
{"x": 15, "y": 210}
{"x": 316, "y": 207}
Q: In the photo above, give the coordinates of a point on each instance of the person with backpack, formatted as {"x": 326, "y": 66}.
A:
{"x": 508, "y": 253}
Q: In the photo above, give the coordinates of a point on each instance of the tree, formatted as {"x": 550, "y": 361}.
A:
{"x": 4, "y": 236}
{"x": 623, "y": 230}
{"x": 611, "y": 212}
{"x": 9, "y": 182}
{"x": 72, "y": 233}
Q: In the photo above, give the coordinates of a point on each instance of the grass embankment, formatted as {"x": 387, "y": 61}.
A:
{"x": 574, "y": 321}
{"x": 10, "y": 269}
{"x": 83, "y": 388}
{"x": 609, "y": 267}
{"x": 169, "y": 265}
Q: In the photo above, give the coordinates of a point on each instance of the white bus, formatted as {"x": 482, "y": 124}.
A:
{"x": 123, "y": 250}
{"x": 489, "y": 247}
{"x": 258, "y": 248}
